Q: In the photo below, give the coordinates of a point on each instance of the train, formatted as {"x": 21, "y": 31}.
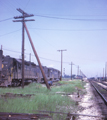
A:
{"x": 11, "y": 72}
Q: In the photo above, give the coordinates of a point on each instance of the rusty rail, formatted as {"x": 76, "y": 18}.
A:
{"x": 29, "y": 116}
{"x": 20, "y": 116}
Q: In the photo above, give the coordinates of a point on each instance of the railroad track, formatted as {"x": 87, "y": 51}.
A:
{"x": 103, "y": 83}
{"x": 102, "y": 91}
{"x": 43, "y": 115}
{"x": 22, "y": 116}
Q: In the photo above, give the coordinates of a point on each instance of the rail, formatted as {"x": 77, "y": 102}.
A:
{"x": 41, "y": 115}
{"x": 102, "y": 96}
{"x": 22, "y": 116}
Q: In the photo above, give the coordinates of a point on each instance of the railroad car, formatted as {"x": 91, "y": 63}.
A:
{"x": 11, "y": 72}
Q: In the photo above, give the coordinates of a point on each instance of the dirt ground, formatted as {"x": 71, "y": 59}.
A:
{"x": 90, "y": 104}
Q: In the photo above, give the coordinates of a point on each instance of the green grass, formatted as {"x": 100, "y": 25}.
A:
{"x": 69, "y": 86}
{"x": 39, "y": 102}
{"x": 43, "y": 99}
{"x": 34, "y": 88}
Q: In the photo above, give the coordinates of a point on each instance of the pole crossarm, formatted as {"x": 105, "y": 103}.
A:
{"x": 62, "y": 50}
{"x": 72, "y": 63}
{"x": 24, "y": 20}
{"x": 21, "y": 11}
{"x": 24, "y": 15}
{"x": 30, "y": 15}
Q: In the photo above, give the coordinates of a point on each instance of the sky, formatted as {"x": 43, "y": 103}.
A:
{"x": 79, "y": 26}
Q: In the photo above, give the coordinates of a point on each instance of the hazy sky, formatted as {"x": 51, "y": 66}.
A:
{"x": 80, "y": 26}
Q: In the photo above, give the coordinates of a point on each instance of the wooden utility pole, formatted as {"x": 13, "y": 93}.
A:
{"x": 24, "y": 15}
{"x": 1, "y": 54}
{"x": 71, "y": 69}
{"x": 30, "y": 57}
{"x": 105, "y": 70}
{"x": 64, "y": 72}
{"x": 61, "y": 61}
{"x": 37, "y": 57}
{"x": 78, "y": 70}
{"x": 103, "y": 73}
{"x": 23, "y": 52}
{"x": 1, "y": 47}
{"x": 24, "y": 26}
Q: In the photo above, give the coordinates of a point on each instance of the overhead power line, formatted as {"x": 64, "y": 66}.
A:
{"x": 82, "y": 19}
{"x": 58, "y": 30}
{"x": 70, "y": 29}
{"x": 10, "y": 32}
{"x": 33, "y": 55}
{"x": 6, "y": 19}
{"x": 64, "y": 18}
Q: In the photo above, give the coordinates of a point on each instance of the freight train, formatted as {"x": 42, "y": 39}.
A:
{"x": 11, "y": 72}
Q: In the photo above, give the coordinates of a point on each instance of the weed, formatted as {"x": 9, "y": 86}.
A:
{"x": 43, "y": 99}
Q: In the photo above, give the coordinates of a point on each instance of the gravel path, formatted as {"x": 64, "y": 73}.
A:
{"x": 90, "y": 105}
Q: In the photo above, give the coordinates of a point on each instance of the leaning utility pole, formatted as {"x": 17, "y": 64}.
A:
{"x": 61, "y": 62}
{"x": 37, "y": 57}
{"x": 24, "y": 26}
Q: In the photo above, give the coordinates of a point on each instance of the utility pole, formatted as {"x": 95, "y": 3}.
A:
{"x": 30, "y": 57}
{"x": 71, "y": 69}
{"x": 24, "y": 26}
{"x": 64, "y": 72}
{"x": 105, "y": 70}
{"x": 78, "y": 70}
{"x": 23, "y": 51}
{"x": 24, "y": 15}
{"x": 36, "y": 55}
{"x": 1, "y": 47}
{"x": 103, "y": 73}
{"x": 1, "y": 54}
{"x": 30, "y": 64}
{"x": 61, "y": 61}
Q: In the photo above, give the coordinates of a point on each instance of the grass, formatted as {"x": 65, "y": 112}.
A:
{"x": 33, "y": 88}
{"x": 42, "y": 100}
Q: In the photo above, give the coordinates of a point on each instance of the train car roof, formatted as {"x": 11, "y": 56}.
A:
{"x": 26, "y": 62}
{"x": 42, "y": 66}
{"x": 54, "y": 69}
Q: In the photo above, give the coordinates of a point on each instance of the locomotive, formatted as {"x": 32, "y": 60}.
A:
{"x": 11, "y": 72}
